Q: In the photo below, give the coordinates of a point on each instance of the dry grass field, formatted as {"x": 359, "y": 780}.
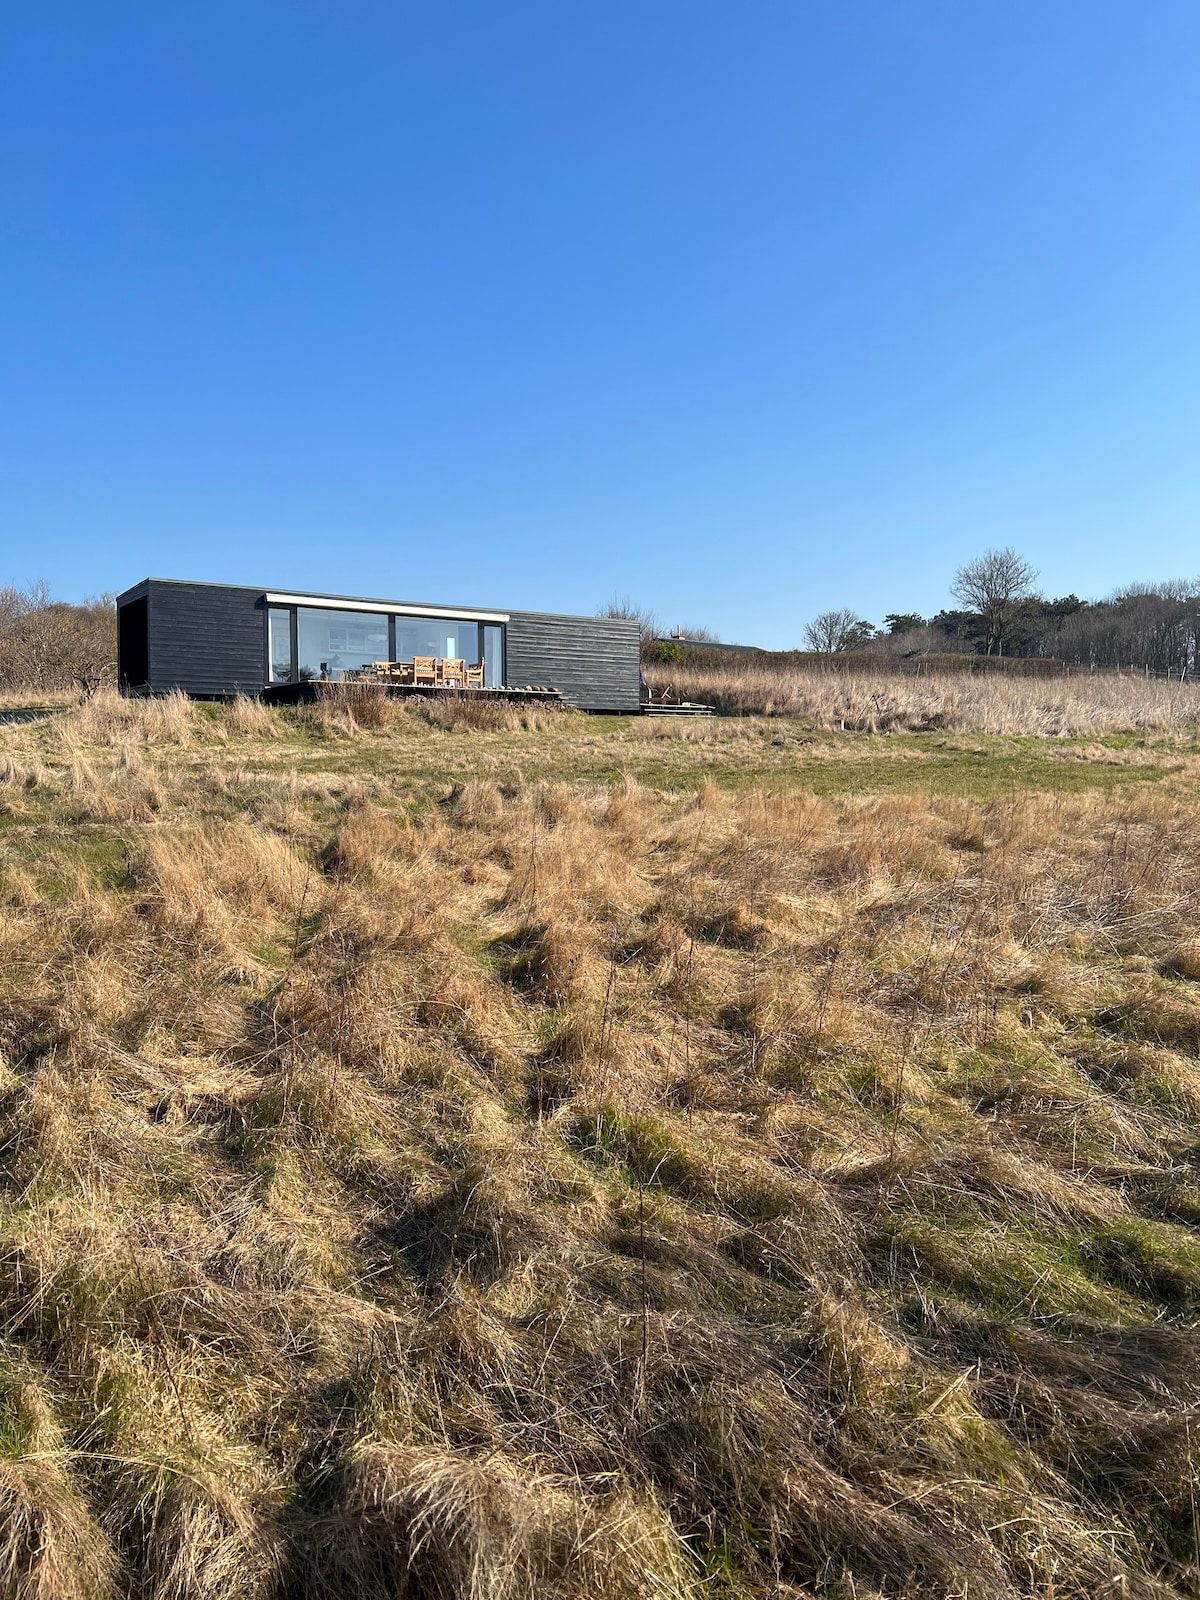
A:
{"x": 886, "y": 702}
{"x": 551, "y": 1157}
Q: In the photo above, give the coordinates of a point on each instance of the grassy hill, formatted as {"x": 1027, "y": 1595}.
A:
{"x": 572, "y": 1157}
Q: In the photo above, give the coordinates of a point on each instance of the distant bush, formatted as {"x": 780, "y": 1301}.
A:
{"x": 734, "y": 663}
{"x": 50, "y": 644}
{"x": 666, "y": 652}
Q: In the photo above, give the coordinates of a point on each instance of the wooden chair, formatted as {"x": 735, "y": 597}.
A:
{"x": 425, "y": 669}
{"x": 475, "y": 677}
{"x": 452, "y": 672}
{"x": 403, "y": 671}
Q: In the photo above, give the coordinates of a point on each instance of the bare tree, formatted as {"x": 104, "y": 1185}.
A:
{"x": 622, "y": 606}
{"x": 994, "y": 585}
{"x": 47, "y": 643}
{"x": 835, "y": 631}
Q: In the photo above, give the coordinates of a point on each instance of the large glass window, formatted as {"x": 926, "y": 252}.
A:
{"x": 493, "y": 655}
{"x": 331, "y": 643}
{"x": 279, "y": 644}
{"x": 443, "y": 637}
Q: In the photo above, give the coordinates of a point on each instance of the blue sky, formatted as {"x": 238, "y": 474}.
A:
{"x": 742, "y": 310}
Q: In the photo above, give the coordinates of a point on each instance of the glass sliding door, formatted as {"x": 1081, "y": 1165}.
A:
{"x": 279, "y": 645}
{"x": 443, "y": 637}
{"x": 331, "y": 643}
{"x": 493, "y": 655}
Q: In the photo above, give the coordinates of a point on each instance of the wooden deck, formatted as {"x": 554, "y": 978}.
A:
{"x": 290, "y": 694}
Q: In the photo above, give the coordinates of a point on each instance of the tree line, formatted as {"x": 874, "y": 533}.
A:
{"x": 1000, "y": 612}
{"x": 1144, "y": 627}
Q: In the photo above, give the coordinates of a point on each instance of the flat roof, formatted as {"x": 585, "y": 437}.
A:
{"x": 328, "y": 602}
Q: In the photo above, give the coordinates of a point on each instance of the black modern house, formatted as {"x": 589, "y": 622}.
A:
{"x": 216, "y": 640}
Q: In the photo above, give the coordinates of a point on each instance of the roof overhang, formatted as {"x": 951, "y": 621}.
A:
{"x": 400, "y": 607}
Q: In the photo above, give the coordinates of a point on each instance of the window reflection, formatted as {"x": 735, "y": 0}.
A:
{"x": 279, "y": 640}
{"x": 493, "y": 655}
{"x": 331, "y": 643}
{"x": 443, "y": 637}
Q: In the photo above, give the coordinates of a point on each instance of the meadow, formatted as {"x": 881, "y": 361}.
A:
{"x": 453, "y": 1152}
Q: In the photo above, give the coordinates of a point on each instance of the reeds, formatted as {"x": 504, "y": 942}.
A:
{"x": 592, "y": 1193}
{"x": 883, "y": 702}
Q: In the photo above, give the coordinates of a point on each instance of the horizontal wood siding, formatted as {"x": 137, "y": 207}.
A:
{"x": 595, "y": 661}
{"x": 206, "y": 638}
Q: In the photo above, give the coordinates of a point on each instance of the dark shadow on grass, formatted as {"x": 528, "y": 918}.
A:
{"x": 15, "y": 714}
{"x": 438, "y": 1242}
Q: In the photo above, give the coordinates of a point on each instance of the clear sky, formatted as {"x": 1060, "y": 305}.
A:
{"x": 743, "y": 310}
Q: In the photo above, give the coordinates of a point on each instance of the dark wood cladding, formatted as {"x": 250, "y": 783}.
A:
{"x": 206, "y": 639}
{"x": 595, "y": 661}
